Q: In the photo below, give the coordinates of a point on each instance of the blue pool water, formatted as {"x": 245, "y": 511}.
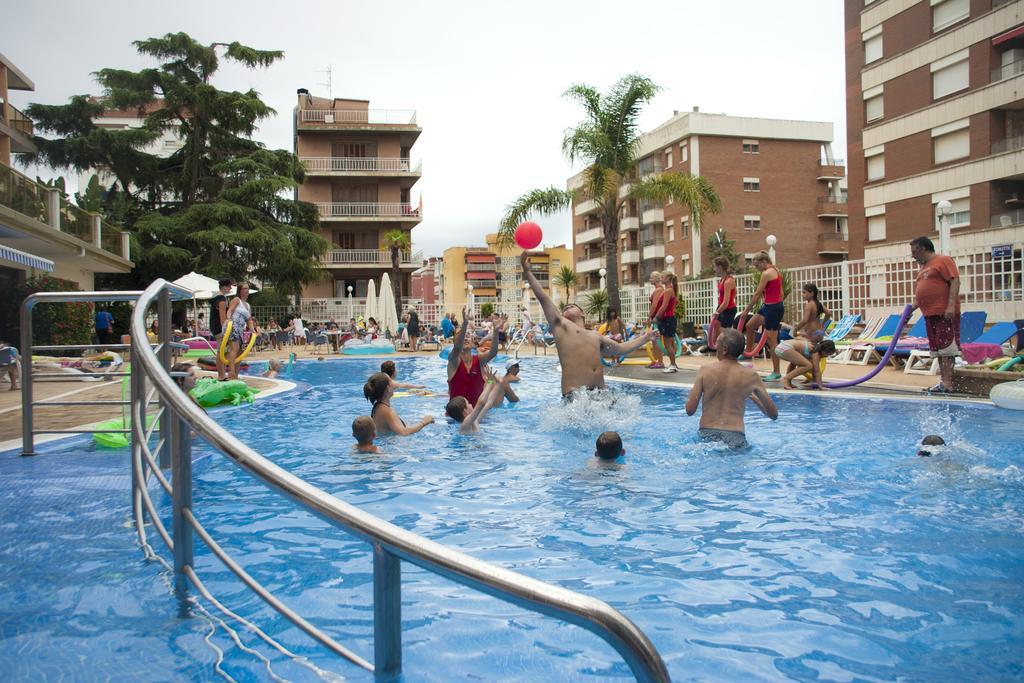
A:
{"x": 827, "y": 551}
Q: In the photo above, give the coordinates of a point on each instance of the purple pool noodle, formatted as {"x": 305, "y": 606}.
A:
{"x": 885, "y": 358}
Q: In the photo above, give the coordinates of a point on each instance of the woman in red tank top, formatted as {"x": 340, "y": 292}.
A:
{"x": 770, "y": 314}
{"x": 725, "y": 312}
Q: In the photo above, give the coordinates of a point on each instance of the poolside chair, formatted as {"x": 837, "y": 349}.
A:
{"x": 921, "y": 362}
{"x": 843, "y": 327}
{"x": 862, "y": 350}
{"x": 317, "y": 339}
{"x": 914, "y": 339}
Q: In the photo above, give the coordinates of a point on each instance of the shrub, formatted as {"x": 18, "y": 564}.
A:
{"x": 486, "y": 310}
{"x": 52, "y": 324}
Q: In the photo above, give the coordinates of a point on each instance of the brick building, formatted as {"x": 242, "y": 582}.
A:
{"x": 425, "y": 282}
{"x": 775, "y": 177}
{"x": 360, "y": 174}
{"x": 934, "y": 113}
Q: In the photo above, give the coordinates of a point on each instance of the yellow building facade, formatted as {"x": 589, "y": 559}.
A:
{"x": 494, "y": 273}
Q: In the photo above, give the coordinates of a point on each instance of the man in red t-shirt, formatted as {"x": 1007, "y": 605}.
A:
{"x": 937, "y": 294}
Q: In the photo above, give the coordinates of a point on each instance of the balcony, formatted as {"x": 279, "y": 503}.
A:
{"x": 1007, "y": 71}
{"x": 374, "y": 258}
{"x": 832, "y": 206}
{"x": 1007, "y": 145}
{"x": 590, "y": 235}
{"x": 1009, "y": 219}
{"x": 481, "y": 267}
{"x": 361, "y": 166}
{"x": 833, "y": 243}
{"x": 654, "y": 251}
{"x": 629, "y": 223}
{"x": 590, "y": 265}
{"x": 364, "y": 211}
{"x": 629, "y": 256}
{"x": 653, "y": 215}
{"x": 327, "y": 120}
{"x": 35, "y": 219}
{"x": 18, "y": 128}
{"x": 585, "y": 207}
{"x": 831, "y": 169}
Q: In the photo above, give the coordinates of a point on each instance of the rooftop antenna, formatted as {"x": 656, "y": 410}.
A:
{"x": 327, "y": 84}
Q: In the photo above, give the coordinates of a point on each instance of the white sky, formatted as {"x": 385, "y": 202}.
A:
{"x": 485, "y": 77}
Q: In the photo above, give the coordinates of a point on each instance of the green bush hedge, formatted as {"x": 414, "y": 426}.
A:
{"x": 52, "y": 324}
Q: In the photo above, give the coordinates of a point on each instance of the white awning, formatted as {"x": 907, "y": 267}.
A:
{"x": 21, "y": 259}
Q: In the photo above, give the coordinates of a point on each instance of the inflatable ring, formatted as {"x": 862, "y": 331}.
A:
{"x": 661, "y": 345}
{"x": 224, "y": 343}
{"x": 115, "y": 440}
{"x": 1008, "y": 395}
{"x": 821, "y": 370}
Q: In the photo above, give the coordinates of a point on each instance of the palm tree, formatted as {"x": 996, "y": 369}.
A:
{"x": 396, "y": 241}
{"x": 606, "y": 141}
{"x": 566, "y": 279}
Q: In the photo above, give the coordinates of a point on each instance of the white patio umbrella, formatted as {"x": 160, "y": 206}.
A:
{"x": 386, "y": 306}
{"x": 371, "y": 302}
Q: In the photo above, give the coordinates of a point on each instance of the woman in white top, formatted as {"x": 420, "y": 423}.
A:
{"x": 298, "y": 331}
{"x": 240, "y": 316}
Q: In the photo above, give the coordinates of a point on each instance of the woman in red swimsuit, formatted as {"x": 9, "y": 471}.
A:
{"x": 770, "y": 313}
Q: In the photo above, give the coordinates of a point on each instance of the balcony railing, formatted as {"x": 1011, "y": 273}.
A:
{"x": 1007, "y": 144}
{"x": 1008, "y": 70}
{"x": 832, "y": 237}
{"x": 18, "y": 121}
{"x": 368, "y": 210}
{"x": 829, "y": 199}
{"x": 359, "y": 164}
{"x": 45, "y": 205}
{"x": 483, "y": 284}
{"x": 831, "y": 162}
{"x": 481, "y": 267}
{"x": 369, "y": 257}
{"x": 393, "y": 117}
{"x": 1005, "y": 220}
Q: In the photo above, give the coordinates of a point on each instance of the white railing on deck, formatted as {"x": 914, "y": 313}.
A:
{"x": 367, "y": 116}
{"x": 367, "y": 210}
{"x": 357, "y": 164}
{"x": 377, "y": 257}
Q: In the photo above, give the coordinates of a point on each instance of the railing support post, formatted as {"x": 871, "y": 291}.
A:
{"x": 27, "y": 437}
{"x": 165, "y": 337}
{"x": 181, "y": 483}
{"x": 387, "y": 612}
{"x": 138, "y": 404}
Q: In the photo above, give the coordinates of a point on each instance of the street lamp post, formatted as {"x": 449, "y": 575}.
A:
{"x": 942, "y": 211}
{"x": 469, "y": 289}
{"x": 771, "y": 240}
{"x": 669, "y": 260}
{"x": 350, "y": 311}
{"x": 602, "y": 273}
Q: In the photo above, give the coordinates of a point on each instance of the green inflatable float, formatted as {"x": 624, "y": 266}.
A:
{"x": 208, "y": 392}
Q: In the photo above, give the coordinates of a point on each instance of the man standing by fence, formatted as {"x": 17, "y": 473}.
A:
{"x": 937, "y": 294}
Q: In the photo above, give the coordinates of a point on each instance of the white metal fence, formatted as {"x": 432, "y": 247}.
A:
{"x": 373, "y": 164}
{"x": 992, "y": 280}
{"x": 367, "y": 209}
{"x": 368, "y": 116}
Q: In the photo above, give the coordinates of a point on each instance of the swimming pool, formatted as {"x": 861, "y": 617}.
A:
{"x": 827, "y": 550}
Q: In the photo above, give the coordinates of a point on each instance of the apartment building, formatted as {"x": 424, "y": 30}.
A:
{"x": 426, "y": 281}
{"x": 40, "y": 231}
{"x": 775, "y": 177}
{"x": 360, "y": 174}
{"x": 495, "y": 274}
{"x": 935, "y": 117}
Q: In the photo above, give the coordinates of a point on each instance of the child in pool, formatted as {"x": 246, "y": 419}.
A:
{"x": 364, "y": 432}
{"x": 388, "y": 368}
{"x": 722, "y": 390}
{"x": 803, "y": 356}
{"x": 468, "y": 415}
{"x": 609, "y": 447}
{"x": 273, "y": 368}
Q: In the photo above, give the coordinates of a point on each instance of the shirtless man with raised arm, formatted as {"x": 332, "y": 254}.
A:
{"x": 579, "y": 349}
{"x": 725, "y": 387}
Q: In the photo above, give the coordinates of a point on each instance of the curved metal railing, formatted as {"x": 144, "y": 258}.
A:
{"x": 391, "y": 544}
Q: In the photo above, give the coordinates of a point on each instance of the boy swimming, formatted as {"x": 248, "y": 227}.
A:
{"x": 723, "y": 388}
{"x": 609, "y": 446}
{"x": 364, "y": 432}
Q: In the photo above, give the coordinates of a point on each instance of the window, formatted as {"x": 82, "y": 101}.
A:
{"x": 873, "y": 107}
{"x": 950, "y": 75}
{"x": 668, "y": 158}
{"x": 872, "y": 44}
{"x": 751, "y": 184}
{"x": 751, "y": 222}
{"x": 684, "y": 152}
{"x": 952, "y": 141}
{"x": 684, "y": 229}
{"x": 945, "y": 13}
{"x": 671, "y": 231}
{"x": 875, "y": 162}
{"x": 751, "y": 147}
{"x": 876, "y": 227}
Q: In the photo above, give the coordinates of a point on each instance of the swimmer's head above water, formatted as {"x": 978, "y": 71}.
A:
{"x": 458, "y": 408}
{"x": 609, "y": 446}
{"x": 931, "y": 445}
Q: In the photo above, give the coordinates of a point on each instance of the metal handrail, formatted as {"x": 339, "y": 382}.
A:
{"x": 391, "y": 544}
